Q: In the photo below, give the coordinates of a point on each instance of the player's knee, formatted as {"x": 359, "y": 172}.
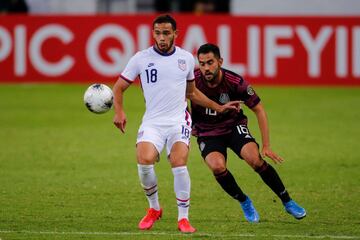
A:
{"x": 146, "y": 158}
{"x": 217, "y": 169}
{"x": 178, "y": 163}
{"x": 216, "y": 162}
{"x": 177, "y": 160}
{"x": 264, "y": 165}
{"x": 255, "y": 162}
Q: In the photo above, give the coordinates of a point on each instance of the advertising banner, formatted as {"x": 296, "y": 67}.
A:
{"x": 265, "y": 50}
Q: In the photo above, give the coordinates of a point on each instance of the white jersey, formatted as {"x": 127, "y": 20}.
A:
{"x": 163, "y": 80}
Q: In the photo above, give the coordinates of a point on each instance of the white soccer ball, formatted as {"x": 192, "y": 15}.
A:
{"x": 98, "y": 98}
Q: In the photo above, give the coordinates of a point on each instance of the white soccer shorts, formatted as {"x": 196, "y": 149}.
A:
{"x": 161, "y": 135}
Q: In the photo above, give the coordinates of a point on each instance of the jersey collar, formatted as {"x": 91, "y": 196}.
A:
{"x": 164, "y": 54}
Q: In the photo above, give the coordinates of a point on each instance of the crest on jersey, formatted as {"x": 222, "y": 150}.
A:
{"x": 224, "y": 98}
{"x": 250, "y": 90}
{"x": 182, "y": 64}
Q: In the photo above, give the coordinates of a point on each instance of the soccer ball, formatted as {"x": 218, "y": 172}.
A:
{"x": 98, "y": 98}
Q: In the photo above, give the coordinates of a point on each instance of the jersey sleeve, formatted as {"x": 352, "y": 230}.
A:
{"x": 131, "y": 70}
{"x": 191, "y": 75}
{"x": 247, "y": 94}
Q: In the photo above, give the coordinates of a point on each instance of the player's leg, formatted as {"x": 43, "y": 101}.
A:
{"x": 147, "y": 151}
{"x": 178, "y": 159}
{"x": 178, "y": 151}
{"x": 213, "y": 150}
{"x": 245, "y": 146}
{"x": 146, "y": 155}
{"x": 250, "y": 153}
{"x": 217, "y": 164}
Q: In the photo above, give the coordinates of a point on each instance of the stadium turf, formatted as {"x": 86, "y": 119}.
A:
{"x": 66, "y": 173}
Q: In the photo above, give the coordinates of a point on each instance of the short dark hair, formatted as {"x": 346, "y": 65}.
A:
{"x": 207, "y": 48}
{"x": 165, "y": 18}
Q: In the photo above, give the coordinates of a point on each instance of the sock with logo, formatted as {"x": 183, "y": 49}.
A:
{"x": 228, "y": 183}
{"x": 148, "y": 181}
{"x": 272, "y": 179}
{"x": 182, "y": 191}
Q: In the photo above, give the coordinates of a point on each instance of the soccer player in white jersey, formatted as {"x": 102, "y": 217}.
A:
{"x": 167, "y": 78}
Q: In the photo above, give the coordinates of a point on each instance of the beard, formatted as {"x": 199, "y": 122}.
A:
{"x": 167, "y": 48}
{"x": 210, "y": 77}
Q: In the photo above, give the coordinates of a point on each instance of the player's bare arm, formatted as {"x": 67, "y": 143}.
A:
{"x": 265, "y": 136}
{"x": 198, "y": 97}
{"x": 120, "y": 117}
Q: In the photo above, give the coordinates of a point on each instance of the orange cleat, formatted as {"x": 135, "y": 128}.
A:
{"x": 185, "y": 227}
{"x": 150, "y": 218}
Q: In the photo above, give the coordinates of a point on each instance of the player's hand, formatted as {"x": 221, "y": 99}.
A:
{"x": 239, "y": 106}
{"x": 120, "y": 121}
{"x": 232, "y": 105}
{"x": 267, "y": 152}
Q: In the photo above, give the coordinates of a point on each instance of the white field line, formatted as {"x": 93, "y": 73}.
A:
{"x": 199, "y": 234}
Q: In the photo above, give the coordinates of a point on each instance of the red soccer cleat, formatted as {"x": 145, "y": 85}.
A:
{"x": 185, "y": 227}
{"x": 151, "y": 216}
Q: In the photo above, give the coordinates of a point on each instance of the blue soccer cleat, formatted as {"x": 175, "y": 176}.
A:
{"x": 294, "y": 209}
{"x": 249, "y": 210}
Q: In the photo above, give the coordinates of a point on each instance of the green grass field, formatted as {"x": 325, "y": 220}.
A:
{"x": 66, "y": 173}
